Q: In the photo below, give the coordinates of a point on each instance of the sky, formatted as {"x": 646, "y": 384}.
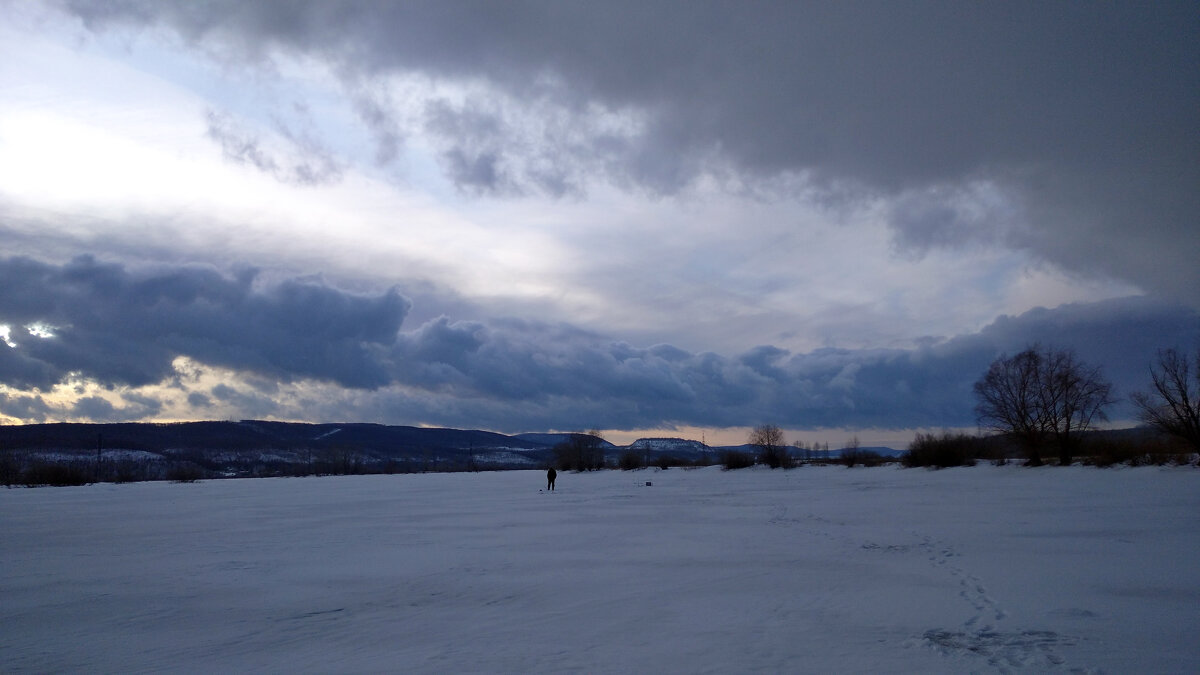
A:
{"x": 647, "y": 218}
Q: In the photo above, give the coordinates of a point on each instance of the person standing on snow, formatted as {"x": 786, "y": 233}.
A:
{"x": 550, "y": 476}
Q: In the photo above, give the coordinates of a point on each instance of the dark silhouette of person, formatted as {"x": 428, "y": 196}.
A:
{"x": 550, "y": 476}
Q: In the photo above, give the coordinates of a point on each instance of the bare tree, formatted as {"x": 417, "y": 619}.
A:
{"x": 1071, "y": 396}
{"x": 580, "y": 452}
{"x": 1007, "y": 395}
{"x": 1173, "y": 406}
{"x": 850, "y": 452}
{"x": 1041, "y": 394}
{"x": 768, "y": 438}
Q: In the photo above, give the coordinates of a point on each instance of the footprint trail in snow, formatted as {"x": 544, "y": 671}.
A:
{"x": 980, "y": 635}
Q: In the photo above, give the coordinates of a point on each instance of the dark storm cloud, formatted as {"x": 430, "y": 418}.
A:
{"x": 485, "y": 152}
{"x": 19, "y": 370}
{"x": 121, "y": 326}
{"x": 514, "y": 375}
{"x": 478, "y": 171}
{"x": 1087, "y": 115}
{"x": 99, "y": 409}
{"x": 947, "y": 217}
{"x": 26, "y": 407}
{"x": 248, "y": 403}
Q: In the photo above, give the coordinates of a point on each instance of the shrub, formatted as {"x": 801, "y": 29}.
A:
{"x": 56, "y": 475}
{"x": 1112, "y": 452}
{"x": 185, "y": 473}
{"x": 631, "y": 459}
{"x": 1105, "y": 452}
{"x": 580, "y": 452}
{"x": 852, "y": 456}
{"x": 777, "y": 457}
{"x": 942, "y": 451}
{"x": 768, "y": 438}
{"x": 732, "y": 459}
{"x": 126, "y": 471}
{"x": 10, "y": 469}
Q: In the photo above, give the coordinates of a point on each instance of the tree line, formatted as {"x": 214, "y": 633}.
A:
{"x": 1044, "y": 398}
{"x": 1041, "y": 401}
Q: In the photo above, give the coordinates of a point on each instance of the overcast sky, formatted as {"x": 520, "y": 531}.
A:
{"x": 666, "y": 218}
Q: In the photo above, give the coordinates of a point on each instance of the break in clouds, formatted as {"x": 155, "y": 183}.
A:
{"x": 124, "y": 329}
{"x": 1067, "y": 130}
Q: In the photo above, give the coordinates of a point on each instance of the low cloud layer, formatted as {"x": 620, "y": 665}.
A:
{"x": 534, "y": 375}
{"x": 117, "y": 327}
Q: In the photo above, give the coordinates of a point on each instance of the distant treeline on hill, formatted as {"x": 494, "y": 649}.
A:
{"x": 73, "y": 454}
{"x": 49, "y": 453}
{"x": 147, "y": 451}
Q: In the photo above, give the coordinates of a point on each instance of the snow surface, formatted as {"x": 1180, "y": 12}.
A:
{"x": 327, "y": 434}
{"x": 819, "y": 569}
{"x": 669, "y": 445}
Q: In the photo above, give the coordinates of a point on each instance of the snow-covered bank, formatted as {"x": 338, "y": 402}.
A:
{"x": 820, "y": 569}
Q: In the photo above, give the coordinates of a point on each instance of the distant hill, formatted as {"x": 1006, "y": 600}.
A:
{"x": 681, "y": 446}
{"x": 264, "y": 448}
{"x": 818, "y": 454}
{"x": 251, "y": 434}
{"x": 881, "y": 450}
{"x": 254, "y": 447}
{"x": 148, "y": 451}
{"x": 551, "y": 440}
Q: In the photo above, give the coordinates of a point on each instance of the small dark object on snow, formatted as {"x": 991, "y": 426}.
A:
{"x": 648, "y": 483}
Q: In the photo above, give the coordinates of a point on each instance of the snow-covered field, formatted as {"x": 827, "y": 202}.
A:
{"x": 820, "y": 570}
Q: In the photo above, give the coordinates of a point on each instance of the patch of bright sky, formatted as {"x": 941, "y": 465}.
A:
{"x": 756, "y": 271}
{"x": 106, "y": 163}
{"x": 1039, "y": 285}
{"x": 40, "y": 330}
